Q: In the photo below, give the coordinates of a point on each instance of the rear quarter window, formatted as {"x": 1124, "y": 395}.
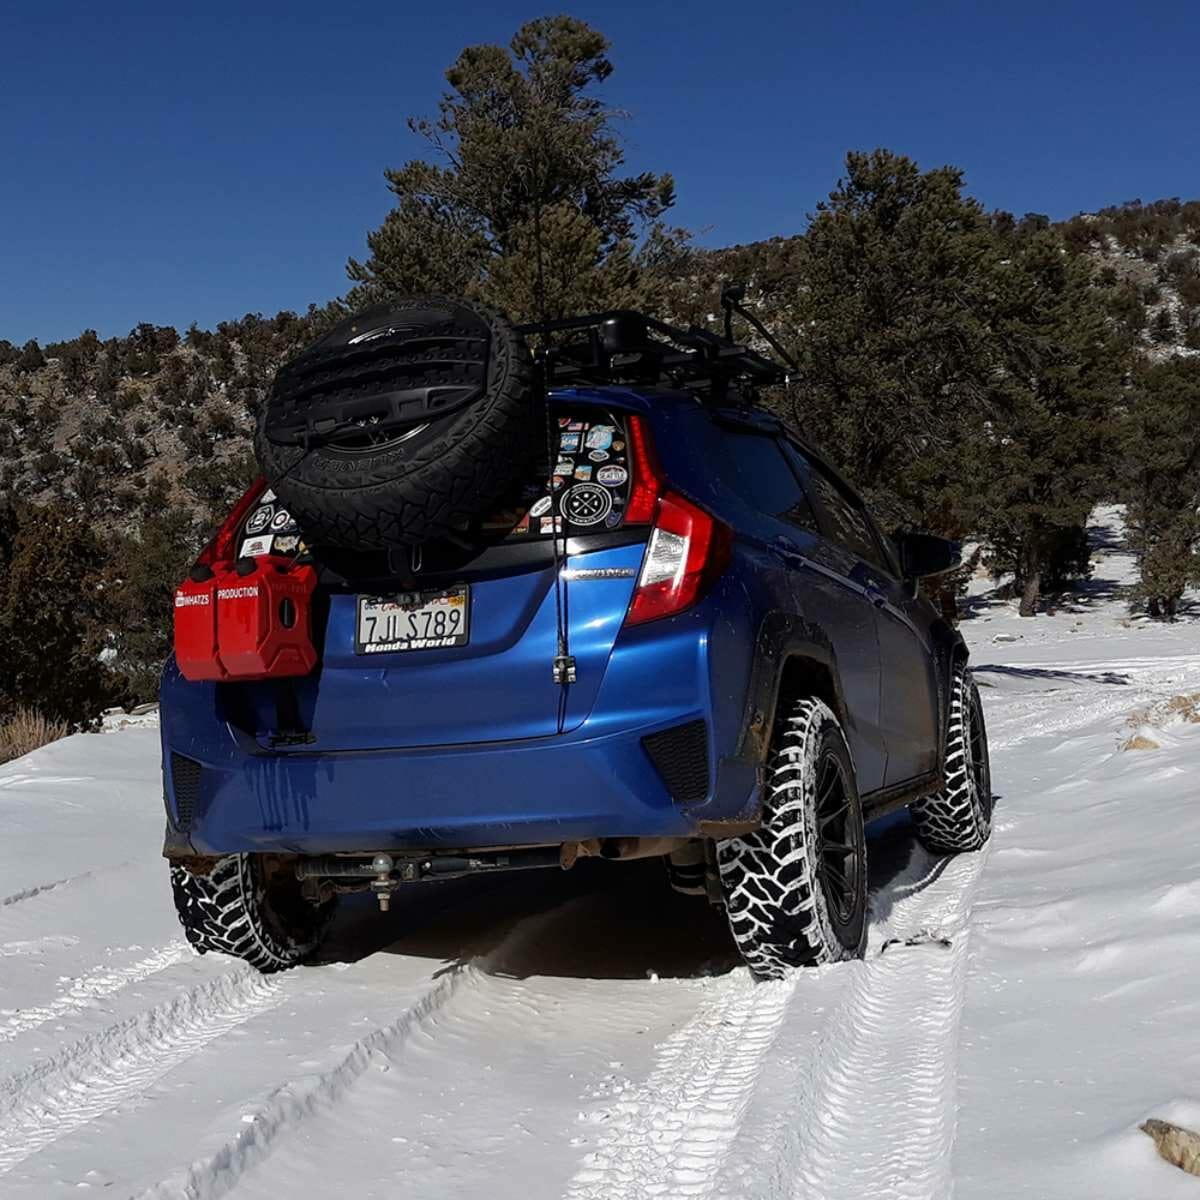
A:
{"x": 846, "y": 520}
{"x": 753, "y": 466}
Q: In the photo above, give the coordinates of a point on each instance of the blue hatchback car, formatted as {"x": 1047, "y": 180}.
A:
{"x": 690, "y": 640}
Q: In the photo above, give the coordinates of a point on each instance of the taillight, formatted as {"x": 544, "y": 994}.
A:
{"x": 646, "y": 475}
{"x": 687, "y": 551}
{"x": 222, "y": 548}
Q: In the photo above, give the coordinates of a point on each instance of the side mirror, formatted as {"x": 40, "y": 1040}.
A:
{"x": 922, "y": 554}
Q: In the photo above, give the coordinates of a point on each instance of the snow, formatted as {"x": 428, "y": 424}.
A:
{"x": 1019, "y": 1013}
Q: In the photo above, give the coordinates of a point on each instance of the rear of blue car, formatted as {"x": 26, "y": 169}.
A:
{"x": 539, "y": 621}
{"x": 434, "y": 719}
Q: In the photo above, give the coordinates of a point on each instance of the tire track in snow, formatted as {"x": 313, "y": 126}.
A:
{"x": 290, "y": 1106}
{"x": 880, "y": 1106}
{"x": 732, "y": 1109}
{"x": 29, "y": 892}
{"x": 52, "y": 1098}
{"x": 98, "y": 983}
{"x": 41, "y": 889}
{"x": 669, "y": 1135}
{"x": 294, "y": 1103}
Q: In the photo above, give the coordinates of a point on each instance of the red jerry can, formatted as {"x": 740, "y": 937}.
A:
{"x": 196, "y": 627}
{"x": 264, "y": 619}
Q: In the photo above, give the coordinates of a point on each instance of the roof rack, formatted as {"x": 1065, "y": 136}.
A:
{"x": 626, "y": 347}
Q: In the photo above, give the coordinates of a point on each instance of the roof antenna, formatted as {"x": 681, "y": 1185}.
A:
{"x": 732, "y": 297}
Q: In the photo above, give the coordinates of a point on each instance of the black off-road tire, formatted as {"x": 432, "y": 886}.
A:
{"x": 785, "y": 906}
{"x": 959, "y": 817}
{"x": 237, "y": 909}
{"x": 417, "y": 483}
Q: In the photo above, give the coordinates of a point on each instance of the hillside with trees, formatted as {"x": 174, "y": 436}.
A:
{"x": 975, "y": 373}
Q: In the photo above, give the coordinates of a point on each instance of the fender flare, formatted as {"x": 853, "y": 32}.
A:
{"x": 781, "y": 639}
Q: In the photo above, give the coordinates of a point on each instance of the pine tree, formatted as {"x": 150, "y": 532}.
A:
{"x": 142, "y": 572}
{"x": 1163, "y": 330}
{"x": 891, "y": 313}
{"x": 1161, "y": 481}
{"x": 1052, "y": 447}
{"x": 31, "y": 357}
{"x": 526, "y": 207}
{"x": 50, "y": 609}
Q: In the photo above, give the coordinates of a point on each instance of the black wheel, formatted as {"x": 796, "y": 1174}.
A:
{"x": 796, "y": 888}
{"x": 250, "y": 910}
{"x": 402, "y": 423}
{"x": 959, "y": 817}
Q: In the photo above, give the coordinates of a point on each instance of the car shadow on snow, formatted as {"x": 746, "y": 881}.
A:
{"x": 597, "y": 921}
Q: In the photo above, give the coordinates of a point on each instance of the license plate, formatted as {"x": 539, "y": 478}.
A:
{"x": 413, "y": 621}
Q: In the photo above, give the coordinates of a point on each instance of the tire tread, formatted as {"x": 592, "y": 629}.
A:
{"x": 223, "y": 912}
{"x": 774, "y": 905}
{"x": 956, "y": 819}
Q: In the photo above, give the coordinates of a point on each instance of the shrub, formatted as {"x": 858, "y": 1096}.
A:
{"x": 25, "y": 730}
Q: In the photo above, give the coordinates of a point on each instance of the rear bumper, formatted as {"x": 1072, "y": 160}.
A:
{"x": 501, "y": 794}
{"x": 226, "y": 794}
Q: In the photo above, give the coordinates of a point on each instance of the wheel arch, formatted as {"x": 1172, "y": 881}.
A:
{"x": 793, "y": 659}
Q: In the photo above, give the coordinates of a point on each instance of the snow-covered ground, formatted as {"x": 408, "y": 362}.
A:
{"x": 589, "y": 1035}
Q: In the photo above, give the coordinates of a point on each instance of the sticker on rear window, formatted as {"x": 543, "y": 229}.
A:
{"x": 612, "y": 476}
{"x": 260, "y": 518}
{"x": 586, "y": 504}
{"x": 253, "y": 547}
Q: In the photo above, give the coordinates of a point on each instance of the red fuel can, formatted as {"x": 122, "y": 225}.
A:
{"x": 264, "y": 619}
{"x": 196, "y": 629}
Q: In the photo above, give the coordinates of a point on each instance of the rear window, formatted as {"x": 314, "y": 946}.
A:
{"x": 268, "y": 529}
{"x": 589, "y": 485}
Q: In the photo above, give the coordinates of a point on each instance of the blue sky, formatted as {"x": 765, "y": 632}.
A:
{"x": 172, "y": 163}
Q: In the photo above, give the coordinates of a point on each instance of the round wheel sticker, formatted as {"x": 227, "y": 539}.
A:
{"x": 260, "y": 518}
{"x": 586, "y": 504}
{"x": 282, "y": 519}
{"x": 612, "y": 476}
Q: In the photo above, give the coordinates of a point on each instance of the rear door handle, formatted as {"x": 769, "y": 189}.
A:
{"x": 876, "y": 597}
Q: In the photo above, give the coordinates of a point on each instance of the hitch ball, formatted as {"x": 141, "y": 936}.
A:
{"x": 381, "y": 885}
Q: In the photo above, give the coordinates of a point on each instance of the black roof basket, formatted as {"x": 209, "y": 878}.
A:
{"x": 626, "y": 347}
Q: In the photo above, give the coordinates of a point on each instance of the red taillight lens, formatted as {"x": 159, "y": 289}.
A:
{"x": 223, "y": 546}
{"x": 687, "y": 551}
{"x": 647, "y": 477}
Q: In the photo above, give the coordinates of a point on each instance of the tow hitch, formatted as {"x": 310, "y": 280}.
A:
{"x": 384, "y": 873}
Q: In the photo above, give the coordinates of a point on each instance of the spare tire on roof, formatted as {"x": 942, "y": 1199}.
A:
{"x": 402, "y": 423}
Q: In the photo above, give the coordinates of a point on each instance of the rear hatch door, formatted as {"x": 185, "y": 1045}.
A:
{"x": 396, "y": 668}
